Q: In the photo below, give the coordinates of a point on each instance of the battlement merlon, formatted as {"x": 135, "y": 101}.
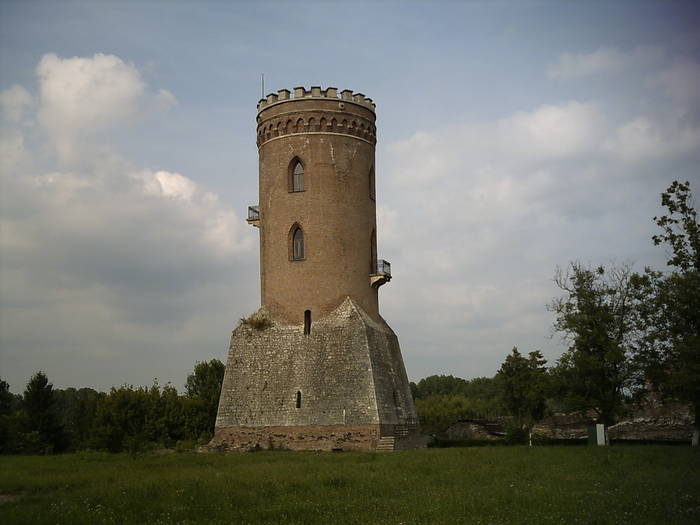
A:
{"x": 284, "y": 95}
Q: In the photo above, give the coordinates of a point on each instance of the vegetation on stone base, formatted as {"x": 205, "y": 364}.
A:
{"x": 259, "y": 320}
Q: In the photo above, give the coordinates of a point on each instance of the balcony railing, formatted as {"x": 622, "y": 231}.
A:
{"x": 254, "y": 215}
{"x": 382, "y": 273}
{"x": 383, "y": 268}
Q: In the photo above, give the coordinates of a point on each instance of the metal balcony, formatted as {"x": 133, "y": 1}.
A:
{"x": 381, "y": 275}
{"x": 253, "y": 216}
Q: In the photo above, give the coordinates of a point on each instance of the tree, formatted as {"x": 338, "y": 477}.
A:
{"x": 669, "y": 351}
{"x": 137, "y": 419}
{"x": 680, "y": 228}
{"x": 76, "y": 410}
{"x": 479, "y": 387}
{"x": 523, "y": 383}
{"x": 39, "y": 404}
{"x": 597, "y": 317}
{"x": 203, "y": 387}
{"x": 8, "y": 431}
{"x": 6, "y": 398}
{"x": 437, "y": 412}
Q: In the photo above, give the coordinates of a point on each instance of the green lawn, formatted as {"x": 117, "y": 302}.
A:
{"x": 509, "y": 485}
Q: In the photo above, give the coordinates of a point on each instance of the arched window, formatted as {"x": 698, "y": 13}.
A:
{"x": 297, "y": 243}
{"x": 371, "y": 183}
{"x": 296, "y": 176}
{"x": 298, "y": 400}
{"x": 307, "y": 322}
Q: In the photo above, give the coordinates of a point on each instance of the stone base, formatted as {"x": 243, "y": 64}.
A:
{"x": 313, "y": 437}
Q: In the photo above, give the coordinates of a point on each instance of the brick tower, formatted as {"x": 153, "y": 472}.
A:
{"x": 316, "y": 367}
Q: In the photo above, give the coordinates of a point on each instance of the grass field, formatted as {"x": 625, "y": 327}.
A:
{"x": 480, "y": 485}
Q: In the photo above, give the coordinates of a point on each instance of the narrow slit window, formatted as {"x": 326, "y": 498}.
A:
{"x": 373, "y": 253}
{"x": 298, "y": 177}
{"x": 298, "y": 244}
{"x": 307, "y": 322}
{"x": 372, "y": 194}
{"x": 298, "y": 399}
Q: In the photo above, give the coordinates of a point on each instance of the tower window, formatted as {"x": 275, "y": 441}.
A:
{"x": 373, "y": 253}
{"x": 371, "y": 184}
{"x": 297, "y": 247}
{"x": 298, "y": 400}
{"x": 296, "y": 176}
{"x": 307, "y": 322}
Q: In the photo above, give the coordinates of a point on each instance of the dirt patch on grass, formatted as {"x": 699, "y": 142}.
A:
{"x": 9, "y": 498}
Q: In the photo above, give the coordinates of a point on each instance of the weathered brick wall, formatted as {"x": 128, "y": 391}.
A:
{"x": 310, "y": 437}
{"x": 336, "y": 210}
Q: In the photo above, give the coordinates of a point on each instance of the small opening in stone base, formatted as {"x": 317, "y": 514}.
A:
{"x": 307, "y": 322}
{"x": 298, "y": 402}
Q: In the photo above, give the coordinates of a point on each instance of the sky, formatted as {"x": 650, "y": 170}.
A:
{"x": 513, "y": 138}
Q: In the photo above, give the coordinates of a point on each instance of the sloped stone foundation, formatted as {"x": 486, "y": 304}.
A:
{"x": 342, "y": 386}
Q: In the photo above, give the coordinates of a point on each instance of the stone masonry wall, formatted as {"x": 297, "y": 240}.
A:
{"x": 348, "y": 370}
{"x": 311, "y": 437}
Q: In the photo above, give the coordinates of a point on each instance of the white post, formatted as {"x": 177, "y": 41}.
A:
{"x": 696, "y": 437}
{"x": 600, "y": 434}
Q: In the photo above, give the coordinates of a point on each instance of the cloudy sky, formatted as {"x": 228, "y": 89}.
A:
{"x": 514, "y": 137}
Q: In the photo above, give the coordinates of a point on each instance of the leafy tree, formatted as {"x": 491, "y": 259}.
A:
{"x": 669, "y": 350}
{"x": 436, "y": 413}
{"x": 597, "y": 316}
{"x": 137, "y": 419}
{"x": 76, "y": 410}
{"x": 442, "y": 400}
{"x": 480, "y": 387}
{"x": 523, "y": 383}
{"x": 7, "y": 430}
{"x": 681, "y": 230}
{"x": 6, "y": 398}
{"x": 39, "y": 404}
{"x": 203, "y": 387}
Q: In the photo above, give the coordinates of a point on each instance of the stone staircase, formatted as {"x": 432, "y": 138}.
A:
{"x": 386, "y": 444}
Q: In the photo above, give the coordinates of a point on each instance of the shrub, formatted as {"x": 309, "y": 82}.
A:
{"x": 516, "y": 435}
{"x": 259, "y": 321}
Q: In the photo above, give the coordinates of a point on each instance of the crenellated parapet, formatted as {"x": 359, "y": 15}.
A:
{"x": 316, "y": 110}
{"x": 346, "y": 95}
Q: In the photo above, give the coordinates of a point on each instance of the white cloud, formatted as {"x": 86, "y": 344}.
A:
{"x": 166, "y": 99}
{"x": 546, "y": 134}
{"x": 14, "y": 102}
{"x": 81, "y": 96}
{"x": 681, "y": 82}
{"x": 550, "y": 131}
{"x": 604, "y": 60}
{"x": 642, "y": 139}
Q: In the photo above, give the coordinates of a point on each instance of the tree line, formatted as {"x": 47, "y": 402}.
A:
{"x": 629, "y": 335}
{"x": 44, "y": 420}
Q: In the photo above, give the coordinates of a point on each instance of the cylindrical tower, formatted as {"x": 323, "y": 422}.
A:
{"x": 317, "y": 213}
{"x": 338, "y": 381}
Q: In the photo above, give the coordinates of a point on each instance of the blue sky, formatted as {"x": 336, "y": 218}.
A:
{"x": 514, "y": 137}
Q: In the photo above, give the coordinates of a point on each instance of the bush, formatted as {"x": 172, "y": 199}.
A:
{"x": 516, "y": 436}
{"x": 259, "y": 321}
